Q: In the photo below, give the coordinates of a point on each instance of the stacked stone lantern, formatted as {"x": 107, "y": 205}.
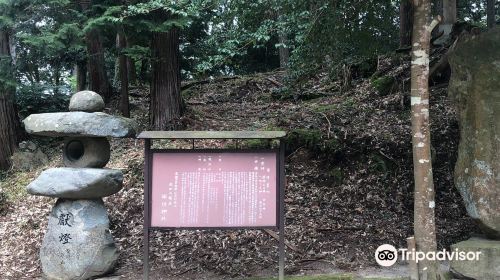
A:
{"x": 78, "y": 243}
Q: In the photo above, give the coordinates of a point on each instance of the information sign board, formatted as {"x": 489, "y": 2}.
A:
{"x": 214, "y": 189}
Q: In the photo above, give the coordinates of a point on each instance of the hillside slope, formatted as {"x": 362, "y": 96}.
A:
{"x": 349, "y": 178}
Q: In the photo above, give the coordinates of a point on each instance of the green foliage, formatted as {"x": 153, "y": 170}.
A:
{"x": 33, "y": 99}
{"x": 218, "y": 37}
{"x": 384, "y": 85}
{"x": 307, "y": 138}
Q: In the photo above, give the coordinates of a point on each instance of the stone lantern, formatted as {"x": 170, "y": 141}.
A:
{"x": 78, "y": 243}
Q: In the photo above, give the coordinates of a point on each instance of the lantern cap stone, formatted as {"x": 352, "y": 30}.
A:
{"x": 80, "y": 124}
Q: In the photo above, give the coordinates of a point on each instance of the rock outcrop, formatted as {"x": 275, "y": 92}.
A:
{"x": 475, "y": 88}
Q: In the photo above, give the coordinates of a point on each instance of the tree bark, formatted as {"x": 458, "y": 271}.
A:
{"x": 123, "y": 73}
{"x": 9, "y": 122}
{"x": 449, "y": 11}
{"x": 424, "y": 219}
{"x": 132, "y": 75}
{"x": 284, "y": 51}
{"x": 491, "y": 13}
{"x": 97, "y": 72}
{"x": 405, "y": 23}
{"x": 81, "y": 75}
{"x": 57, "y": 78}
{"x": 165, "y": 107}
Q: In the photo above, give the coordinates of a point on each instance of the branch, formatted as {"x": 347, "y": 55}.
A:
{"x": 287, "y": 244}
{"x": 435, "y": 22}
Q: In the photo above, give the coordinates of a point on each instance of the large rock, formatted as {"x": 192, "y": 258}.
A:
{"x": 28, "y": 157}
{"x": 78, "y": 243}
{"x": 475, "y": 88}
{"x": 79, "y": 124}
{"x": 87, "y": 101}
{"x": 485, "y": 267}
{"x": 77, "y": 183}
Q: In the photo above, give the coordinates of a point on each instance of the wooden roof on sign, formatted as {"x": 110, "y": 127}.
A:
{"x": 212, "y": 134}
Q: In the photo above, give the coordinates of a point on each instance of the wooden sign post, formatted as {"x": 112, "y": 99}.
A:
{"x": 213, "y": 188}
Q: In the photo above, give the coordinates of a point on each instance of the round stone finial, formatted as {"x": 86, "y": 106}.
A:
{"x": 86, "y": 101}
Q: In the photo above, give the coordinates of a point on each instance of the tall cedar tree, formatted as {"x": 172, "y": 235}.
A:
{"x": 81, "y": 75}
{"x": 405, "y": 22}
{"x": 424, "y": 219}
{"x": 9, "y": 122}
{"x": 123, "y": 73}
{"x": 132, "y": 75}
{"x": 491, "y": 13}
{"x": 166, "y": 102}
{"x": 98, "y": 77}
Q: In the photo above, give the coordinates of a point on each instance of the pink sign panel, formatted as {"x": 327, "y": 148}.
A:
{"x": 214, "y": 189}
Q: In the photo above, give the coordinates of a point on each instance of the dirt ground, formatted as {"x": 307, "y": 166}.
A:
{"x": 349, "y": 183}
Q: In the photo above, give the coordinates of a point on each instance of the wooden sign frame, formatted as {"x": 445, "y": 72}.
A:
{"x": 149, "y": 136}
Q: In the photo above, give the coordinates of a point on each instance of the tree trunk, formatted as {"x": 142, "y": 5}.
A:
{"x": 491, "y": 13}
{"x": 405, "y": 23}
{"x": 165, "y": 108}
{"x": 81, "y": 75}
{"x": 424, "y": 221}
{"x": 132, "y": 75}
{"x": 123, "y": 73}
{"x": 449, "y": 11}
{"x": 57, "y": 79}
{"x": 143, "y": 72}
{"x": 437, "y": 7}
{"x": 97, "y": 72}
{"x": 9, "y": 122}
{"x": 284, "y": 51}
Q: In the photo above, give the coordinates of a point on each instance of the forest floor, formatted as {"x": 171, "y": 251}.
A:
{"x": 349, "y": 181}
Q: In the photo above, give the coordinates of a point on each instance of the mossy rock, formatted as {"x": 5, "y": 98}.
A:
{"x": 308, "y": 138}
{"x": 384, "y": 85}
{"x": 474, "y": 88}
{"x": 336, "y": 175}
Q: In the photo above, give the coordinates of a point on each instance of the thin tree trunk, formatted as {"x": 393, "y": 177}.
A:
{"x": 9, "y": 122}
{"x": 57, "y": 79}
{"x": 36, "y": 73}
{"x": 424, "y": 219}
{"x": 491, "y": 13}
{"x": 123, "y": 73}
{"x": 449, "y": 11}
{"x": 116, "y": 78}
{"x": 132, "y": 75}
{"x": 405, "y": 23}
{"x": 165, "y": 108}
{"x": 143, "y": 72}
{"x": 284, "y": 51}
{"x": 81, "y": 75}
{"x": 97, "y": 72}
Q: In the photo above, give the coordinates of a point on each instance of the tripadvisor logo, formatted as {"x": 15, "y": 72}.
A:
{"x": 387, "y": 255}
